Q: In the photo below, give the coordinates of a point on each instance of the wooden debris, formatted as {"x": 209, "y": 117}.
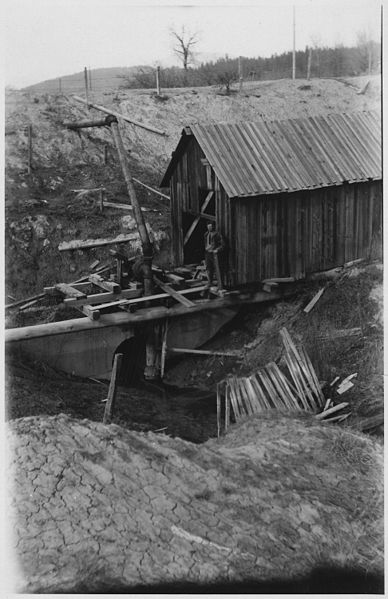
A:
{"x": 346, "y": 384}
{"x": 101, "y": 298}
{"x": 125, "y": 206}
{"x": 333, "y": 382}
{"x": 78, "y": 244}
{"x": 332, "y": 410}
{"x": 270, "y": 389}
{"x": 159, "y": 193}
{"x": 341, "y": 333}
{"x": 203, "y": 352}
{"x": 112, "y": 389}
{"x": 28, "y": 305}
{"x": 175, "y": 294}
{"x": 343, "y": 388}
{"x": 327, "y": 404}
{"x": 25, "y": 300}
{"x": 315, "y": 299}
{"x": 94, "y": 264}
{"x": 107, "y": 285}
{"x": 69, "y": 291}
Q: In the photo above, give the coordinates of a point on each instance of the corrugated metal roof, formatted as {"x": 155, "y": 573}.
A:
{"x": 284, "y": 156}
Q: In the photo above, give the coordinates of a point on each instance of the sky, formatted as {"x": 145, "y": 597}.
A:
{"x": 46, "y": 39}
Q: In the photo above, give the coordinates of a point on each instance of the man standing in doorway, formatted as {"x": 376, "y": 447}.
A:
{"x": 214, "y": 243}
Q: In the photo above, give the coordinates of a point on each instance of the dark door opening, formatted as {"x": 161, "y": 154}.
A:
{"x": 194, "y": 251}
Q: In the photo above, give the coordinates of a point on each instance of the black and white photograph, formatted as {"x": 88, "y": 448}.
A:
{"x": 193, "y": 297}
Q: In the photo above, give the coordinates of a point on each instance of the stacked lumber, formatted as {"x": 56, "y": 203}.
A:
{"x": 270, "y": 389}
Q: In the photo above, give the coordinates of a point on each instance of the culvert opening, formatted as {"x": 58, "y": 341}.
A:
{"x": 133, "y": 360}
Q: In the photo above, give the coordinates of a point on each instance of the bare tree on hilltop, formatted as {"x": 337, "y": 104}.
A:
{"x": 183, "y": 48}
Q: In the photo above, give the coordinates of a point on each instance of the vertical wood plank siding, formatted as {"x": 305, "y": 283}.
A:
{"x": 299, "y": 233}
{"x": 279, "y": 235}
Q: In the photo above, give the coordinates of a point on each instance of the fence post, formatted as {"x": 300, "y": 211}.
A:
{"x": 86, "y": 85}
{"x": 29, "y": 164}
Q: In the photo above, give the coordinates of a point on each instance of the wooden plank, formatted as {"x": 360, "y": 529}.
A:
{"x": 109, "y": 407}
{"x": 323, "y": 415}
{"x": 100, "y": 298}
{"x": 28, "y": 305}
{"x": 69, "y": 291}
{"x": 120, "y": 116}
{"x": 227, "y": 406}
{"x": 133, "y": 296}
{"x": 218, "y": 410}
{"x": 175, "y": 294}
{"x": 198, "y": 218}
{"x": 159, "y": 193}
{"x": 201, "y": 352}
{"x": 107, "y": 285}
{"x": 25, "y": 300}
{"x": 315, "y": 299}
{"x": 68, "y": 246}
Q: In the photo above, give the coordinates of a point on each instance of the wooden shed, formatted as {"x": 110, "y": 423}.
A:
{"x": 290, "y": 197}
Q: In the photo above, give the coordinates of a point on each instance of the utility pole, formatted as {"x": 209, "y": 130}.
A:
{"x": 60, "y": 85}
{"x": 90, "y": 79}
{"x": 293, "y": 42}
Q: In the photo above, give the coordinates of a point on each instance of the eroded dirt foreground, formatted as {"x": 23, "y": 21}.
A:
{"x": 97, "y": 507}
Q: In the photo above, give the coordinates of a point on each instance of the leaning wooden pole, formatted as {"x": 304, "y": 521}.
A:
{"x": 121, "y": 116}
{"x": 141, "y": 226}
{"x": 152, "y": 358}
{"x": 110, "y": 403}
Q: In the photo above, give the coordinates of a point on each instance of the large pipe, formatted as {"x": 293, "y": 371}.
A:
{"x": 143, "y": 233}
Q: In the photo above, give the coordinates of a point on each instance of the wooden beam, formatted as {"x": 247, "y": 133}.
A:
{"x": 198, "y": 218}
{"x": 175, "y": 294}
{"x": 132, "y": 297}
{"x": 159, "y": 193}
{"x": 120, "y": 116}
{"x": 107, "y": 285}
{"x": 25, "y": 300}
{"x": 112, "y": 389}
{"x": 201, "y": 352}
{"x": 67, "y": 246}
{"x": 69, "y": 291}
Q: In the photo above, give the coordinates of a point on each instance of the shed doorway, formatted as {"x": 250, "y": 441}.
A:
{"x": 195, "y": 226}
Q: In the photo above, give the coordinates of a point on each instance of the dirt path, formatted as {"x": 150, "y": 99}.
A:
{"x": 99, "y": 506}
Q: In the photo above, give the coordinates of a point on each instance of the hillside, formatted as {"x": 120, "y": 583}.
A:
{"x": 99, "y": 80}
{"x": 64, "y": 160}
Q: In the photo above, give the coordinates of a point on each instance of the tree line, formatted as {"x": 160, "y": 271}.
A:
{"x": 340, "y": 61}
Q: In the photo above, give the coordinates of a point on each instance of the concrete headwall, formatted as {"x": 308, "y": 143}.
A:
{"x": 82, "y": 353}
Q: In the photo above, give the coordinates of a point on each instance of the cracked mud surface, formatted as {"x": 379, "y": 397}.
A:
{"x": 276, "y": 495}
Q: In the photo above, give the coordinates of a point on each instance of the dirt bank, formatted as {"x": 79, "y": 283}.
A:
{"x": 96, "y": 507}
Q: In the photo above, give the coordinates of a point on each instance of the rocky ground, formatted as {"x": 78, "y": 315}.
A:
{"x": 99, "y": 508}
